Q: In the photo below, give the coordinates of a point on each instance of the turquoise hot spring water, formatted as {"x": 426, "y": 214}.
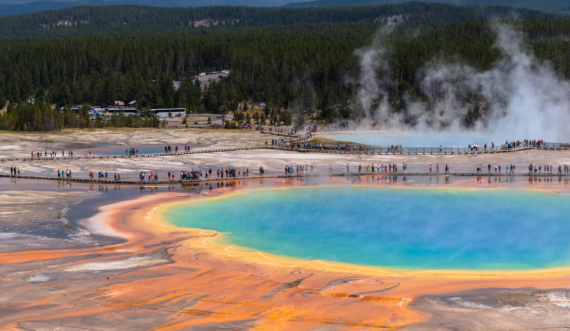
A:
{"x": 407, "y": 228}
{"x": 413, "y": 139}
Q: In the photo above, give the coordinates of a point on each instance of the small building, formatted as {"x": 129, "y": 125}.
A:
{"x": 163, "y": 112}
{"x": 134, "y": 104}
{"x": 119, "y": 104}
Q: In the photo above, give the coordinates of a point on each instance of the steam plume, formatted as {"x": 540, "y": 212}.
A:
{"x": 525, "y": 97}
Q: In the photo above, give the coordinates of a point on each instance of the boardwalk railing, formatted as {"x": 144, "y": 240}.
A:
{"x": 357, "y": 149}
{"x": 94, "y": 157}
{"x": 565, "y": 176}
{"x": 555, "y": 146}
{"x": 293, "y": 145}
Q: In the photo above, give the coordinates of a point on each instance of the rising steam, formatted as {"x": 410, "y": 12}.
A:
{"x": 525, "y": 98}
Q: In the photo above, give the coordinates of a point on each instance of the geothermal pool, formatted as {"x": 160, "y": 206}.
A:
{"x": 495, "y": 229}
{"x": 417, "y": 139}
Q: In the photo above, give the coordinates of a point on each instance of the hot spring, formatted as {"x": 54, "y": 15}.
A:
{"x": 416, "y": 139}
{"x": 453, "y": 229}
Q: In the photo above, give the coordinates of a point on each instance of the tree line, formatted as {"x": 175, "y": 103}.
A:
{"x": 307, "y": 68}
{"x": 551, "y": 6}
{"x": 129, "y": 19}
{"x": 41, "y": 116}
{"x": 283, "y": 66}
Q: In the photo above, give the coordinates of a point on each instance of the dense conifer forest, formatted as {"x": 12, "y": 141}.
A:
{"x": 131, "y": 19}
{"x": 551, "y": 6}
{"x": 312, "y": 67}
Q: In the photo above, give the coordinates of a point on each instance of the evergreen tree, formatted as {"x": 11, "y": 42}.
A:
{"x": 2, "y": 100}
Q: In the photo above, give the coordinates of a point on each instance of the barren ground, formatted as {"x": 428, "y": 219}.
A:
{"x": 60, "y": 268}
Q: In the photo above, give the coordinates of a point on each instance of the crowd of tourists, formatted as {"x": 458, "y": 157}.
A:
{"x": 63, "y": 173}
{"x": 385, "y": 168}
{"x": 290, "y": 170}
{"x": 313, "y": 145}
{"x": 51, "y": 154}
{"x": 399, "y": 148}
{"x": 510, "y": 168}
{"x": 296, "y": 144}
{"x": 208, "y": 174}
{"x": 534, "y": 143}
{"x": 152, "y": 176}
{"x": 303, "y": 169}
{"x": 291, "y": 143}
{"x": 103, "y": 175}
{"x": 393, "y": 148}
{"x": 532, "y": 169}
{"x": 508, "y": 145}
{"x": 548, "y": 169}
{"x": 312, "y": 127}
{"x": 259, "y": 127}
{"x": 523, "y": 143}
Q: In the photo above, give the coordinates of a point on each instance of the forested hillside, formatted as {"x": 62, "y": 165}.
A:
{"x": 551, "y": 6}
{"x": 121, "y": 19}
{"x": 309, "y": 67}
{"x": 291, "y": 59}
{"x": 276, "y": 64}
{"x": 16, "y": 7}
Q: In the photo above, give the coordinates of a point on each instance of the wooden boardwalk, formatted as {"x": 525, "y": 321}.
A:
{"x": 418, "y": 151}
{"x": 407, "y": 151}
{"x": 295, "y": 176}
{"x": 97, "y": 157}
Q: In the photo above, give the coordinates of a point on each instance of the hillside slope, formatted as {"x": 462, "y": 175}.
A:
{"x": 551, "y": 6}
{"x": 129, "y": 19}
{"x": 310, "y": 66}
{"x": 15, "y": 7}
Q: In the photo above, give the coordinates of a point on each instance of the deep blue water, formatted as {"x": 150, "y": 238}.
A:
{"x": 394, "y": 227}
